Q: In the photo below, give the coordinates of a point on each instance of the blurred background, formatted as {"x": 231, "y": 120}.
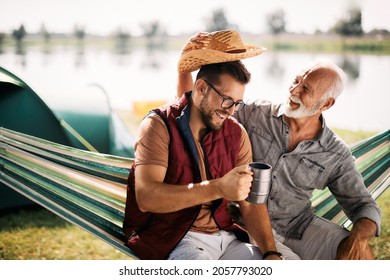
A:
{"x": 99, "y": 57}
{"x": 131, "y": 49}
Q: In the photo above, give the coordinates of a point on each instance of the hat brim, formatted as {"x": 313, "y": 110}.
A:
{"x": 194, "y": 59}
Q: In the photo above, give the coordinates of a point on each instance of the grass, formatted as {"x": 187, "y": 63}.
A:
{"x": 381, "y": 245}
{"x": 37, "y": 234}
{"x": 351, "y": 137}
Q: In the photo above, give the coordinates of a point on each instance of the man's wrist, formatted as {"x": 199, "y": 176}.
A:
{"x": 272, "y": 253}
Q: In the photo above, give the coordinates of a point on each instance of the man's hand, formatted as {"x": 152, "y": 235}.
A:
{"x": 356, "y": 247}
{"x": 196, "y": 42}
{"x": 236, "y": 184}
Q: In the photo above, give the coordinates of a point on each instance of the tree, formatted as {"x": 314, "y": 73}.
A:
{"x": 154, "y": 33}
{"x": 351, "y": 25}
{"x": 2, "y": 38}
{"x": 218, "y": 21}
{"x": 19, "y": 34}
{"x": 276, "y": 22}
{"x": 276, "y": 25}
{"x": 79, "y": 32}
{"x": 122, "y": 35}
{"x": 45, "y": 34}
{"x": 152, "y": 29}
{"x": 122, "y": 40}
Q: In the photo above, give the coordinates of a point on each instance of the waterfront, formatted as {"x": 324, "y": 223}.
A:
{"x": 60, "y": 76}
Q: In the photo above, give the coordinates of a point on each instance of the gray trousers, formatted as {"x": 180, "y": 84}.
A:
{"x": 319, "y": 241}
{"x": 218, "y": 246}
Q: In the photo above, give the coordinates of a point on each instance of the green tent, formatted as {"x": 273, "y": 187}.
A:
{"x": 22, "y": 110}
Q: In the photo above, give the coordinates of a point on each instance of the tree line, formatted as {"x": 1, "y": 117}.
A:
{"x": 349, "y": 25}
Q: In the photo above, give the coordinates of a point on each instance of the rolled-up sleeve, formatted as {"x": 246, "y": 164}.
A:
{"x": 347, "y": 185}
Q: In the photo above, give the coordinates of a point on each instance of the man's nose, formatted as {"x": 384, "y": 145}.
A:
{"x": 295, "y": 89}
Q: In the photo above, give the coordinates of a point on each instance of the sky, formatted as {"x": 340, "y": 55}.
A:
{"x": 182, "y": 16}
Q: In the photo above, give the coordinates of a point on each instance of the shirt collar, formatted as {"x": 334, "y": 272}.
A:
{"x": 325, "y": 133}
{"x": 323, "y": 136}
{"x": 277, "y": 110}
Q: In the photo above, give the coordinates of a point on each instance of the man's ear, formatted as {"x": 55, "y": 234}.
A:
{"x": 200, "y": 87}
{"x": 328, "y": 103}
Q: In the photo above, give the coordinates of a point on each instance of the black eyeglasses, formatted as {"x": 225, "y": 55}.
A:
{"x": 227, "y": 102}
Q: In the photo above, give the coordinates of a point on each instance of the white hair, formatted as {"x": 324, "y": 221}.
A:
{"x": 337, "y": 85}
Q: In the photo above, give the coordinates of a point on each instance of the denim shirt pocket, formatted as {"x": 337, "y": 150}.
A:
{"x": 306, "y": 173}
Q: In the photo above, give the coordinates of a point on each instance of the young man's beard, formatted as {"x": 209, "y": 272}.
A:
{"x": 207, "y": 115}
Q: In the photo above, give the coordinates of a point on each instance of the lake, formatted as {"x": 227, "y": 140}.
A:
{"x": 60, "y": 76}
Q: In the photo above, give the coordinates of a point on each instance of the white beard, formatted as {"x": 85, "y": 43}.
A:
{"x": 302, "y": 111}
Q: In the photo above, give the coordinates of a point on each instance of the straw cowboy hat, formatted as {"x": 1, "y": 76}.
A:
{"x": 220, "y": 46}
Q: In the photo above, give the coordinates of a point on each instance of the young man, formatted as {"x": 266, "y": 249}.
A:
{"x": 306, "y": 155}
{"x": 190, "y": 160}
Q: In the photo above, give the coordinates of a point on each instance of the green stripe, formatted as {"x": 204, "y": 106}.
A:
{"x": 59, "y": 178}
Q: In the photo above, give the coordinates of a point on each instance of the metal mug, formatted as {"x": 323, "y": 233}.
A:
{"x": 261, "y": 182}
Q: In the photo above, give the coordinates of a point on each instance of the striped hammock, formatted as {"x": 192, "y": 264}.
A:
{"x": 88, "y": 189}
{"x": 85, "y": 188}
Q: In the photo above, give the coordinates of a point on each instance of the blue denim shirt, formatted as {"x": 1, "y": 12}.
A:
{"x": 313, "y": 164}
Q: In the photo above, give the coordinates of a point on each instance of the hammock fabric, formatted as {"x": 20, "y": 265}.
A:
{"x": 88, "y": 189}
